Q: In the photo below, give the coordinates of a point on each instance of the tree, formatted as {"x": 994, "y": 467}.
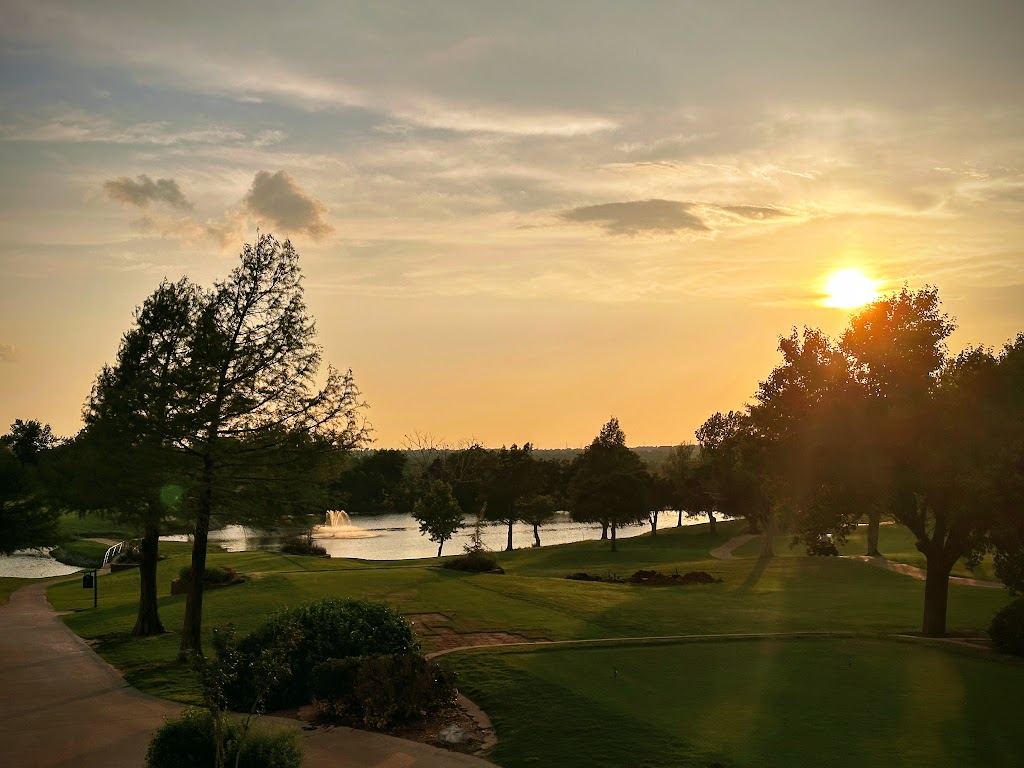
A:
{"x": 513, "y": 477}
{"x": 609, "y": 483}
{"x": 730, "y": 455}
{"x": 438, "y": 513}
{"x": 373, "y": 484}
{"x": 1008, "y": 530}
{"x": 26, "y": 520}
{"x": 252, "y": 389}
{"x": 896, "y": 347}
{"x": 688, "y": 474}
{"x": 126, "y": 461}
{"x": 536, "y": 510}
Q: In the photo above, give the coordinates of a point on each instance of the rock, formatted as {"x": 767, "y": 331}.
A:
{"x": 452, "y": 734}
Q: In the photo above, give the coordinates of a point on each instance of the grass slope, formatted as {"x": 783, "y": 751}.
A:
{"x": 895, "y": 542}
{"x": 751, "y": 689}
{"x": 838, "y": 702}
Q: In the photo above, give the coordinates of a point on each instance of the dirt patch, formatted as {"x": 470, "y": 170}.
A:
{"x": 446, "y": 640}
{"x": 477, "y": 734}
{"x": 427, "y": 619}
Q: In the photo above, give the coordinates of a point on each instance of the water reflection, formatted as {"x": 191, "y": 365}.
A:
{"x": 397, "y": 537}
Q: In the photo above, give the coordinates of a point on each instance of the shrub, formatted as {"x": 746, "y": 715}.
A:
{"x": 474, "y": 561}
{"x": 216, "y": 574}
{"x": 301, "y": 546}
{"x": 1007, "y": 628}
{"x": 327, "y": 629}
{"x": 379, "y": 691}
{"x": 188, "y": 742}
{"x": 183, "y": 743}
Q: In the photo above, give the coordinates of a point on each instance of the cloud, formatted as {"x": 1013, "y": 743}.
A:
{"x": 8, "y": 354}
{"x": 143, "y": 191}
{"x": 631, "y": 218}
{"x": 754, "y": 211}
{"x": 277, "y": 199}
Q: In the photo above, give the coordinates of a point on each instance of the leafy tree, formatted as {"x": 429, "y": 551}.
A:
{"x": 374, "y": 483}
{"x": 688, "y": 473}
{"x": 536, "y": 510}
{"x": 252, "y": 390}
{"x": 513, "y": 477}
{"x": 730, "y": 454}
{"x": 438, "y": 513}
{"x": 126, "y": 463}
{"x": 896, "y": 346}
{"x": 609, "y": 483}
{"x": 26, "y": 519}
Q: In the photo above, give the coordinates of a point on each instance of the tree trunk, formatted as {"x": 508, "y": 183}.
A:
{"x": 508, "y": 547}
{"x": 679, "y": 524}
{"x": 654, "y": 523}
{"x": 768, "y": 539}
{"x": 936, "y": 594}
{"x": 536, "y": 535}
{"x": 192, "y": 629}
{"x": 614, "y": 548}
{"x": 604, "y": 530}
{"x": 148, "y": 621}
{"x": 439, "y": 547}
{"x": 712, "y": 523}
{"x": 874, "y": 518}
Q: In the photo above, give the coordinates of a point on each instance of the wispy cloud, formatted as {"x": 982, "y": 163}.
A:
{"x": 639, "y": 216}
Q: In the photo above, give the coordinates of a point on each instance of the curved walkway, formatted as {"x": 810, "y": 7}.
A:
{"x": 919, "y": 573}
{"x": 725, "y": 551}
{"x": 62, "y": 705}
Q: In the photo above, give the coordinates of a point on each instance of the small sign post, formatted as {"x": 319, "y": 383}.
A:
{"x": 92, "y": 579}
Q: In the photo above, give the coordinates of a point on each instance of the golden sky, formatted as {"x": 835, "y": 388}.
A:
{"x": 515, "y": 219}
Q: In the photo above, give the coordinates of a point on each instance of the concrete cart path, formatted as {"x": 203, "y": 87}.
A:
{"x": 62, "y": 705}
{"x": 725, "y": 551}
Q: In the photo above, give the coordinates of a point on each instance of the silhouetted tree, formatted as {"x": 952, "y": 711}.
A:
{"x": 26, "y": 519}
{"x": 609, "y": 483}
{"x": 438, "y": 513}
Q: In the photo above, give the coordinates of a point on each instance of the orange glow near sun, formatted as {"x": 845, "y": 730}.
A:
{"x": 849, "y": 288}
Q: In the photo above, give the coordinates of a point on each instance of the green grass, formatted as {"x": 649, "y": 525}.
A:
{"x": 8, "y": 584}
{"x": 838, "y": 702}
{"x": 73, "y": 525}
{"x": 710, "y": 682}
{"x": 82, "y": 553}
{"x": 895, "y": 542}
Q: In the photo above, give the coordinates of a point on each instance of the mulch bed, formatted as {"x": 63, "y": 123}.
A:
{"x": 650, "y": 578}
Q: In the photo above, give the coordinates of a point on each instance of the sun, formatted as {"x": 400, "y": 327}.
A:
{"x": 849, "y": 288}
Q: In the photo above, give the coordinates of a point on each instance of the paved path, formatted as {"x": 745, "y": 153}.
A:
{"x": 725, "y": 551}
{"x": 919, "y": 573}
{"x": 62, "y": 705}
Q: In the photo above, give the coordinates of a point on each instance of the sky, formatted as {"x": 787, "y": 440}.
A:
{"x": 515, "y": 220}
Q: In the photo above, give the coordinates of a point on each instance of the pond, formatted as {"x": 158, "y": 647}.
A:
{"x": 33, "y": 564}
{"x": 397, "y": 536}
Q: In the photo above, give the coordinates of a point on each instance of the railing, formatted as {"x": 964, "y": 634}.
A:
{"x": 114, "y": 551}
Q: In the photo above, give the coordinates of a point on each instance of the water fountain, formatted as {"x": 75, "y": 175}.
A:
{"x": 338, "y": 525}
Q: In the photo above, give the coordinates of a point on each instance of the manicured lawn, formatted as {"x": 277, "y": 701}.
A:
{"x": 82, "y": 552}
{"x": 8, "y": 584}
{"x": 895, "y": 542}
{"x": 838, "y": 702}
{"x": 532, "y": 599}
{"x": 94, "y": 526}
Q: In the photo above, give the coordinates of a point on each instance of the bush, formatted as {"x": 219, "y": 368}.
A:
{"x": 302, "y": 547}
{"x": 212, "y": 575}
{"x": 327, "y": 629}
{"x": 380, "y": 691}
{"x": 474, "y": 561}
{"x": 1007, "y": 628}
{"x": 189, "y": 743}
